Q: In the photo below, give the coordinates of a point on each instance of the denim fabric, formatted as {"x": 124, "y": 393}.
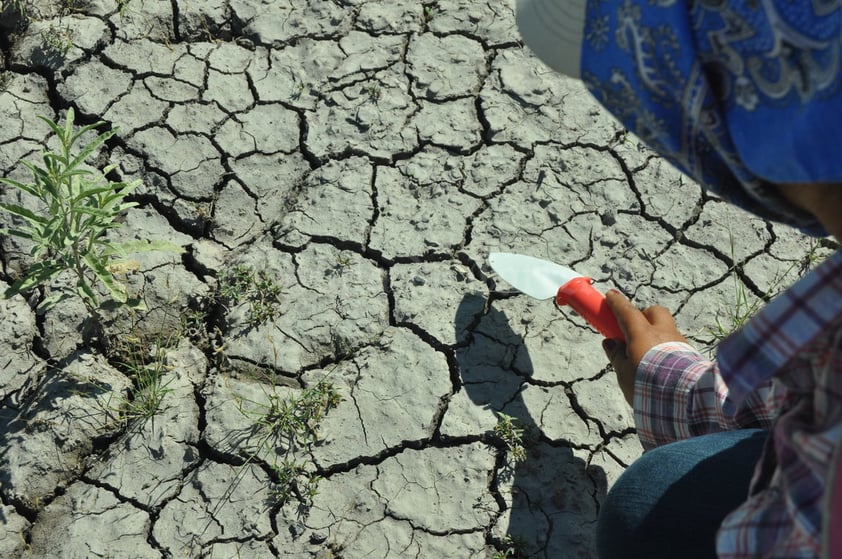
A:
{"x": 670, "y": 502}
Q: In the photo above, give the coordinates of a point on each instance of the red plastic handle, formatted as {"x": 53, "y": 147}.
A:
{"x": 579, "y": 294}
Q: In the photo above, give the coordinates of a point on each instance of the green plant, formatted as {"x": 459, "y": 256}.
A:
{"x": 78, "y": 207}
{"x": 293, "y": 479}
{"x": 22, "y": 7}
{"x": 296, "y": 418}
{"x": 242, "y": 284}
{"x": 343, "y": 262}
{"x": 513, "y": 548}
{"x": 737, "y": 312}
{"x": 57, "y": 40}
{"x": 814, "y": 255}
{"x": 282, "y": 425}
{"x": 17, "y": 5}
{"x": 744, "y": 305}
{"x": 192, "y": 325}
{"x": 512, "y": 436}
{"x": 287, "y": 471}
{"x": 299, "y": 89}
{"x": 146, "y": 369}
{"x": 373, "y": 92}
{"x": 622, "y": 137}
{"x": 293, "y": 421}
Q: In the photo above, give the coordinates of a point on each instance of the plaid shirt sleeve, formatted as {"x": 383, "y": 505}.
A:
{"x": 679, "y": 393}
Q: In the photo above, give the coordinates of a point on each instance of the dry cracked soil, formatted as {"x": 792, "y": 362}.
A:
{"x": 352, "y": 162}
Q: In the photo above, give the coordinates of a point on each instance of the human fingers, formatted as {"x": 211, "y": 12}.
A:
{"x": 663, "y": 324}
{"x": 630, "y": 319}
{"x": 659, "y": 316}
{"x": 643, "y": 329}
{"x": 623, "y": 367}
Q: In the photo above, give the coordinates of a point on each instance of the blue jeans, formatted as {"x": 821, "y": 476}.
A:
{"x": 671, "y": 501}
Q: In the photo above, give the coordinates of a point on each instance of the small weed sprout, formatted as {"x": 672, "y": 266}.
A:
{"x": 297, "y": 418}
{"x": 738, "y": 313}
{"x": 294, "y": 421}
{"x": 80, "y": 207}
{"x": 57, "y": 40}
{"x": 513, "y": 548}
{"x": 344, "y": 262}
{"x": 300, "y": 89}
{"x": 192, "y": 325}
{"x": 373, "y": 92}
{"x": 17, "y": 5}
{"x": 146, "y": 369}
{"x": 814, "y": 255}
{"x": 288, "y": 472}
{"x": 142, "y": 357}
{"x": 22, "y": 7}
{"x": 242, "y": 284}
{"x": 744, "y": 305}
{"x": 512, "y": 435}
{"x": 295, "y": 481}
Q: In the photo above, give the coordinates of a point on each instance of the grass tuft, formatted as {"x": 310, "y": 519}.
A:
{"x": 293, "y": 421}
{"x": 143, "y": 361}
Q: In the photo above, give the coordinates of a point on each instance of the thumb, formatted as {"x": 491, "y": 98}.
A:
{"x": 624, "y": 367}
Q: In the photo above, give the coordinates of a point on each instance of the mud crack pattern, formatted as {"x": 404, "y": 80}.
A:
{"x": 366, "y": 156}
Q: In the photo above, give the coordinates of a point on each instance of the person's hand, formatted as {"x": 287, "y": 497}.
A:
{"x": 643, "y": 331}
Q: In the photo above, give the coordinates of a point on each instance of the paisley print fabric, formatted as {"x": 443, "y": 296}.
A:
{"x": 737, "y": 94}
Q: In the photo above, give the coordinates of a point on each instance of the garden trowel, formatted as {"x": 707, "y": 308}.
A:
{"x": 545, "y": 280}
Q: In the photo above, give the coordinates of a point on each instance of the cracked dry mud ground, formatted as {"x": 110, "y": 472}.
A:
{"x": 366, "y": 155}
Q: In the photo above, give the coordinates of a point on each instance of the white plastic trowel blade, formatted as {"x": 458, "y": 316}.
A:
{"x": 535, "y": 277}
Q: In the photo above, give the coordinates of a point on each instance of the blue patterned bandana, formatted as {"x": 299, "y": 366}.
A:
{"x": 738, "y": 94}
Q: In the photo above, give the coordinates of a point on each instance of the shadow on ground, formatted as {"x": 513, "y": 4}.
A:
{"x": 551, "y": 497}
